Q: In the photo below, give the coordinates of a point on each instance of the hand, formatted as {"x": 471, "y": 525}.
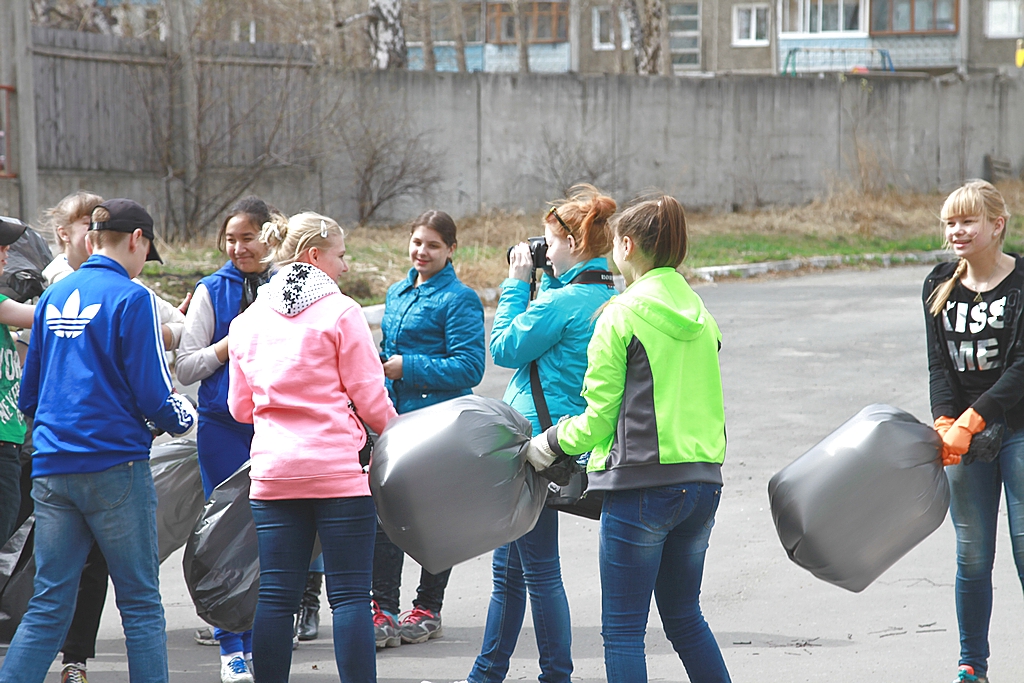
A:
{"x": 520, "y": 265}
{"x": 538, "y": 453}
{"x": 942, "y": 425}
{"x": 221, "y": 349}
{"x": 957, "y": 439}
{"x": 183, "y": 306}
{"x": 393, "y": 368}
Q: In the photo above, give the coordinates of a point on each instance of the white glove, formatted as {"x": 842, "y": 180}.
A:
{"x": 538, "y": 452}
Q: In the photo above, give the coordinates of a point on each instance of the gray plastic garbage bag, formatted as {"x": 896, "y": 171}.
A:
{"x": 17, "y": 575}
{"x": 847, "y": 509}
{"x": 221, "y": 563}
{"x": 449, "y": 481}
{"x": 179, "y": 492}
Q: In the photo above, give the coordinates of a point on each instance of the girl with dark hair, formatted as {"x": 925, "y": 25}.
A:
{"x": 657, "y": 447}
{"x": 545, "y": 340}
{"x": 433, "y": 350}
{"x": 224, "y": 442}
{"x": 976, "y": 378}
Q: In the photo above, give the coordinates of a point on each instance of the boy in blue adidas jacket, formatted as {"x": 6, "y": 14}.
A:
{"x": 94, "y": 374}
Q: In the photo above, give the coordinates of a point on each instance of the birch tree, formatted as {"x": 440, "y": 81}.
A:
{"x": 387, "y": 39}
{"x": 645, "y": 28}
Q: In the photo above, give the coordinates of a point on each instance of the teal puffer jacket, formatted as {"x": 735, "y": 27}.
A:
{"x": 438, "y": 329}
{"x": 555, "y": 329}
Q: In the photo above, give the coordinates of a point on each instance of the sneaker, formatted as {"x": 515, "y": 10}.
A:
{"x": 965, "y": 674}
{"x": 204, "y": 636}
{"x": 73, "y": 672}
{"x": 420, "y": 625}
{"x": 385, "y": 628}
{"x": 235, "y": 670}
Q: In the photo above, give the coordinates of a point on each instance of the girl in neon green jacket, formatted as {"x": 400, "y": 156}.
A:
{"x": 656, "y": 425}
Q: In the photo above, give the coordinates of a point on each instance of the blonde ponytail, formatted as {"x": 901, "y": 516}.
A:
{"x": 288, "y": 239}
{"x": 940, "y": 295}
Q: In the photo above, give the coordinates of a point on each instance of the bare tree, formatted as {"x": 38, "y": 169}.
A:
{"x": 387, "y": 37}
{"x": 459, "y": 31}
{"x": 522, "y": 38}
{"x": 74, "y": 15}
{"x": 568, "y": 158}
{"x": 389, "y": 157}
{"x": 423, "y": 9}
{"x": 646, "y": 33}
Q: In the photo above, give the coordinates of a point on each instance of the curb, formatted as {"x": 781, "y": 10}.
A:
{"x": 742, "y": 270}
{"x": 375, "y": 313}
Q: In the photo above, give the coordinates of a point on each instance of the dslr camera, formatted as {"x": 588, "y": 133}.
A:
{"x": 538, "y": 252}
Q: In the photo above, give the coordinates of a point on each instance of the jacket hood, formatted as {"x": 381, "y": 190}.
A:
{"x": 664, "y": 300}
{"x": 296, "y": 287}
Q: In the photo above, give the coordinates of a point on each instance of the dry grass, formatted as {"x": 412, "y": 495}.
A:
{"x": 845, "y": 221}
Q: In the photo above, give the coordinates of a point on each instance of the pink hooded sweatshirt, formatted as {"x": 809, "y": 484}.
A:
{"x": 300, "y": 357}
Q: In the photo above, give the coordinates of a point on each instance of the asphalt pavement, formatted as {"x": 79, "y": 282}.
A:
{"x": 800, "y": 355}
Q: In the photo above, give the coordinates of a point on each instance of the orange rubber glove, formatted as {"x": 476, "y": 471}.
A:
{"x": 957, "y": 438}
{"x": 942, "y": 425}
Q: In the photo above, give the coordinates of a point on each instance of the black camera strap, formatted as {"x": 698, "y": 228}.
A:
{"x": 587, "y": 277}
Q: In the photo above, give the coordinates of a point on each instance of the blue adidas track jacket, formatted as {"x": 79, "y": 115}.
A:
{"x": 95, "y": 371}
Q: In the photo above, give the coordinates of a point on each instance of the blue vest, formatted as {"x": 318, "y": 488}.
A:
{"x": 225, "y": 288}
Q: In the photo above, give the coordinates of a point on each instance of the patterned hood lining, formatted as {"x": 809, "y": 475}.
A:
{"x": 296, "y": 287}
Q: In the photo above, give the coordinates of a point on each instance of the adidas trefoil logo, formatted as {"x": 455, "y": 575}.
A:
{"x": 70, "y": 322}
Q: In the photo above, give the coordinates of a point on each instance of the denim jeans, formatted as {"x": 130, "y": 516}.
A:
{"x": 80, "y": 643}
{"x": 10, "y": 488}
{"x": 529, "y": 563}
{"x": 117, "y": 508}
{"x": 654, "y": 540}
{"x": 285, "y": 530}
{"x": 387, "y": 578}
{"x": 974, "y": 508}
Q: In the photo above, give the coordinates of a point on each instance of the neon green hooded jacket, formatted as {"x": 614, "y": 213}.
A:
{"x": 653, "y": 389}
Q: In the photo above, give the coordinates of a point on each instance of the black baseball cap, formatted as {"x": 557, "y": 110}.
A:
{"x": 128, "y": 216}
{"x": 11, "y": 229}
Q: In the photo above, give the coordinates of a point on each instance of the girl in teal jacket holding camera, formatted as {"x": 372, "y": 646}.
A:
{"x": 554, "y": 331}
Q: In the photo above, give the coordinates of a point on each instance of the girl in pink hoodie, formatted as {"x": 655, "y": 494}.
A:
{"x": 302, "y": 364}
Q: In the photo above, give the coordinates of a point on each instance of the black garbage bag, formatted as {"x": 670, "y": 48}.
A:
{"x": 179, "y": 492}
{"x": 221, "y": 563}
{"x": 863, "y": 497}
{"x": 450, "y": 482}
{"x": 17, "y": 575}
{"x": 22, "y": 278}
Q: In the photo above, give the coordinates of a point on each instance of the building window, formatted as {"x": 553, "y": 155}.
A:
{"x": 822, "y": 16}
{"x": 604, "y": 30}
{"x": 914, "y": 16}
{"x": 684, "y": 35}
{"x": 442, "y": 26}
{"x": 750, "y": 25}
{"x": 546, "y": 22}
{"x": 1003, "y": 19}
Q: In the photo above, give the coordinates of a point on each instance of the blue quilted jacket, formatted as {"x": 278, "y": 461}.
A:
{"x": 438, "y": 329}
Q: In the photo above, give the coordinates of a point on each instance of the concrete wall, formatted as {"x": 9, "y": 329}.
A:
{"x": 513, "y": 141}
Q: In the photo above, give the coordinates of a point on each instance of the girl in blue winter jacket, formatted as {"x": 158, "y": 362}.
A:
{"x": 433, "y": 350}
{"x": 553, "y": 331}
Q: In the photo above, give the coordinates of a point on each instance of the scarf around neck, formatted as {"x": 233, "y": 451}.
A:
{"x": 298, "y": 286}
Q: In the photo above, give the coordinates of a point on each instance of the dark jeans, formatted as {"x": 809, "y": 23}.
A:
{"x": 285, "y": 530}
{"x": 387, "y": 578}
{"x": 80, "y": 643}
{"x": 974, "y": 507}
{"x": 653, "y": 541}
{"x": 10, "y": 488}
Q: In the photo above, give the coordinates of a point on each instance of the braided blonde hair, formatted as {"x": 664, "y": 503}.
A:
{"x": 288, "y": 239}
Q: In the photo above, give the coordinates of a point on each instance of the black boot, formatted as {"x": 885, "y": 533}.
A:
{"x": 307, "y": 621}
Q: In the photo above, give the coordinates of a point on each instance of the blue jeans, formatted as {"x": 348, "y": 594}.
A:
{"x": 974, "y": 507}
{"x": 117, "y": 508}
{"x": 529, "y": 563}
{"x": 285, "y": 530}
{"x": 654, "y": 540}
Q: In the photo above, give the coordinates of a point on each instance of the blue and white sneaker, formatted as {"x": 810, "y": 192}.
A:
{"x": 234, "y": 670}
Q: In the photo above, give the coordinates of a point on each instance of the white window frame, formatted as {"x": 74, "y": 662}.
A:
{"x": 805, "y": 32}
{"x": 751, "y": 40}
{"x": 1002, "y": 35}
{"x": 595, "y": 25}
{"x": 684, "y": 68}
